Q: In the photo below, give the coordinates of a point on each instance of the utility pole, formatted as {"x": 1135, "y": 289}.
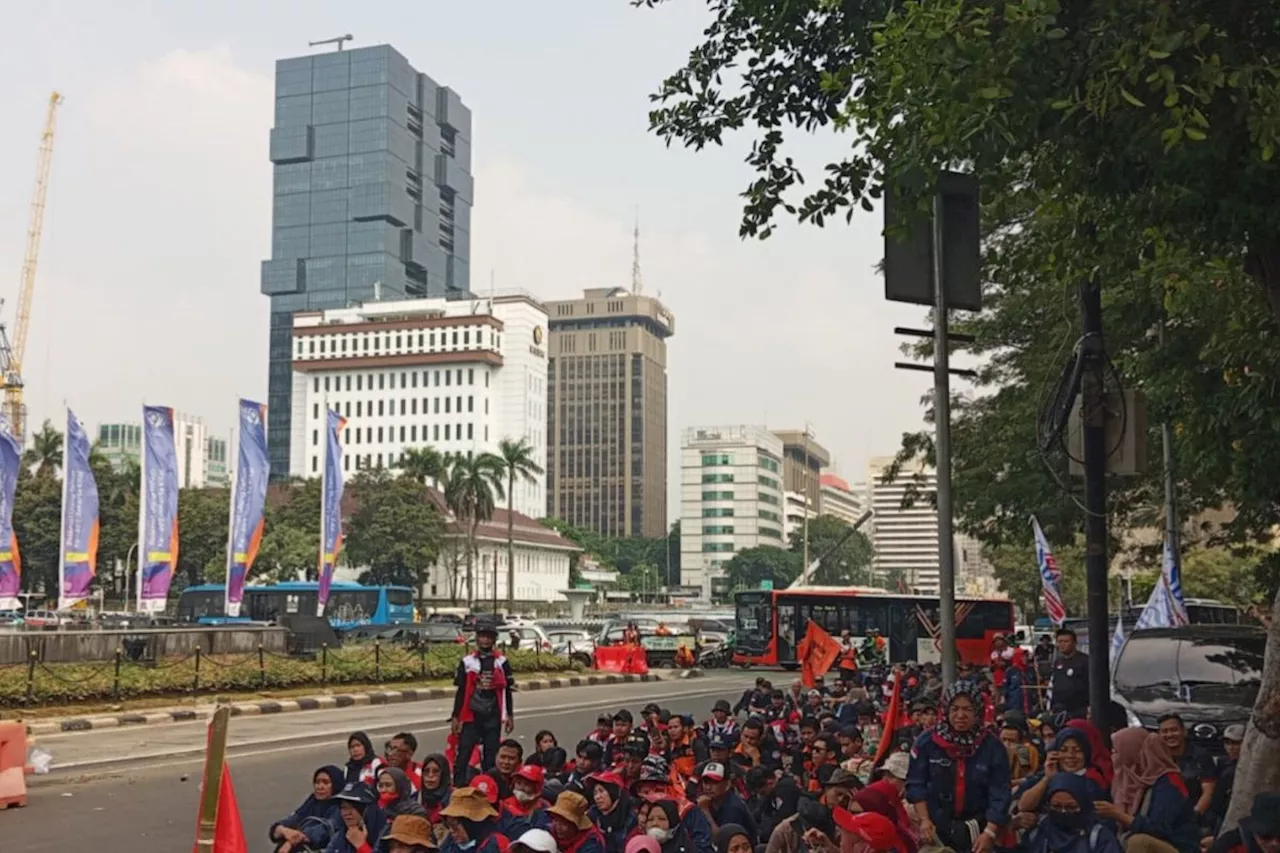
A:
{"x": 1093, "y": 410}
{"x": 942, "y": 441}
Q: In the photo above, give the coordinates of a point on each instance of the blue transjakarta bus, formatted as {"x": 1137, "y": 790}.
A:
{"x": 350, "y": 604}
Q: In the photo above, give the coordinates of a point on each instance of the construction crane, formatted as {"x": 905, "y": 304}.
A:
{"x": 11, "y": 355}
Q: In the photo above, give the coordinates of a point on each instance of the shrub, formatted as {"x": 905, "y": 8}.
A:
{"x": 62, "y": 683}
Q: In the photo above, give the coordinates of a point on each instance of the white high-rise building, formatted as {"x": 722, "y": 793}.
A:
{"x": 840, "y": 499}
{"x": 731, "y": 498}
{"x": 905, "y": 540}
{"x": 457, "y": 375}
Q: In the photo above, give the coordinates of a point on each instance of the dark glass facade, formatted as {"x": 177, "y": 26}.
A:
{"x": 372, "y": 198}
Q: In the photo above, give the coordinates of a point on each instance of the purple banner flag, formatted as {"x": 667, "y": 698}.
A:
{"x": 330, "y": 504}
{"x": 79, "y": 556}
{"x": 158, "y": 509}
{"x": 248, "y": 498}
{"x": 10, "y": 560}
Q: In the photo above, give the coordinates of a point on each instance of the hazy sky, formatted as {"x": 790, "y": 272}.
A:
{"x": 159, "y": 209}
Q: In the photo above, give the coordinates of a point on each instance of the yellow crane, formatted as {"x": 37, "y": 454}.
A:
{"x": 11, "y": 355}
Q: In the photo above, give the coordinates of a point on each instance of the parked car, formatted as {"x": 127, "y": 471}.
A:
{"x": 530, "y": 636}
{"x": 1207, "y": 674}
{"x": 42, "y": 619}
{"x": 575, "y": 645}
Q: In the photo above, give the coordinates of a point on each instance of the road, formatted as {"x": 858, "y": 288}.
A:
{"x": 136, "y": 789}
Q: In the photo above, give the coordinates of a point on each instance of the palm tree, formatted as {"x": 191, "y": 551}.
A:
{"x": 45, "y": 452}
{"x": 517, "y": 461}
{"x": 425, "y": 464}
{"x": 474, "y": 485}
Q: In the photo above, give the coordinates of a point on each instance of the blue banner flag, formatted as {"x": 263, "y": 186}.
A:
{"x": 79, "y": 551}
{"x": 330, "y": 504}
{"x": 10, "y": 560}
{"x": 248, "y": 498}
{"x": 158, "y": 509}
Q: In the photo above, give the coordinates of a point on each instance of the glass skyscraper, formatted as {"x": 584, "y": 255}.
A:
{"x": 372, "y": 198}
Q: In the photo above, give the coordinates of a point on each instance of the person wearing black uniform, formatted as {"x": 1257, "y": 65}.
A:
{"x": 482, "y": 704}
{"x": 1070, "y": 679}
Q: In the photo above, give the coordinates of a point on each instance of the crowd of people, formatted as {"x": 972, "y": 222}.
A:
{"x": 881, "y": 760}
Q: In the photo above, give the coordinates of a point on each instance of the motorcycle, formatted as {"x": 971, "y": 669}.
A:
{"x": 715, "y": 657}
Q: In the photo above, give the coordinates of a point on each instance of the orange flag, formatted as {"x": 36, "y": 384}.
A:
{"x": 817, "y": 652}
{"x": 890, "y": 720}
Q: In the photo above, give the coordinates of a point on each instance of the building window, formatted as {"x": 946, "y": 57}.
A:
{"x": 717, "y": 512}
{"x": 717, "y": 547}
{"x": 471, "y": 404}
{"x": 435, "y": 432}
{"x": 315, "y": 438}
{"x": 717, "y": 478}
{"x": 717, "y": 496}
{"x": 413, "y": 433}
{"x": 486, "y": 405}
{"x": 486, "y": 379}
{"x": 471, "y": 376}
{"x": 768, "y": 481}
{"x": 470, "y": 430}
{"x": 448, "y": 401}
{"x": 413, "y": 379}
{"x": 435, "y": 405}
{"x": 315, "y": 464}
{"x": 382, "y": 380}
{"x": 446, "y": 431}
{"x": 402, "y": 433}
{"x": 346, "y": 463}
{"x": 771, "y": 532}
{"x": 379, "y": 408}
{"x": 402, "y": 407}
{"x": 359, "y": 408}
{"x": 717, "y": 530}
{"x": 771, "y": 516}
{"x": 360, "y": 382}
{"x": 709, "y": 459}
{"x": 379, "y": 435}
{"x": 769, "y": 464}
{"x": 413, "y": 406}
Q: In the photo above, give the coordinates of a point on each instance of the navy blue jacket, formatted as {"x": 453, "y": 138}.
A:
{"x": 615, "y": 837}
{"x": 981, "y": 792}
{"x": 733, "y": 810}
{"x": 1170, "y": 814}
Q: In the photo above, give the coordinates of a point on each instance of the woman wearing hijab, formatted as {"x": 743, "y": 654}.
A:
{"x": 436, "y": 786}
{"x": 733, "y": 838}
{"x": 874, "y": 801}
{"x": 1151, "y": 802}
{"x": 866, "y": 832}
{"x": 472, "y": 823}
{"x": 958, "y": 780}
{"x": 1100, "y": 754}
{"x": 611, "y": 810}
{"x": 363, "y": 763}
{"x": 360, "y": 822}
{"x": 1068, "y": 821}
{"x": 663, "y": 826}
{"x": 311, "y": 823}
{"x": 1071, "y": 754}
{"x": 395, "y": 794}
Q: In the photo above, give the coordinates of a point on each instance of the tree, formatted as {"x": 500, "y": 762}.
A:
{"x": 291, "y": 532}
{"x": 845, "y": 561}
{"x": 475, "y": 484}
{"x": 425, "y": 464}
{"x": 203, "y": 516}
{"x": 1213, "y": 573}
{"x": 517, "y": 463}
{"x": 642, "y": 578}
{"x": 44, "y": 456}
{"x": 37, "y": 523}
{"x": 671, "y": 555}
{"x": 395, "y": 530}
{"x": 747, "y": 568}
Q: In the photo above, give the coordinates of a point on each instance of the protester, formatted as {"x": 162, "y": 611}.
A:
{"x": 1068, "y": 822}
{"x": 436, "y": 786}
{"x": 535, "y": 841}
{"x": 1232, "y": 740}
{"x": 525, "y": 808}
{"x": 1069, "y": 684}
{"x": 732, "y": 838}
{"x": 472, "y": 823}
{"x": 483, "y": 703}
{"x": 1257, "y": 833}
{"x": 572, "y": 827}
{"x": 363, "y": 763}
{"x": 396, "y": 795}
{"x": 611, "y": 809}
{"x": 409, "y": 834}
{"x": 719, "y": 802}
{"x": 360, "y": 823}
{"x": 665, "y": 825}
{"x": 311, "y": 823}
{"x": 1198, "y": 769}
{"x": 1151, "y": 803}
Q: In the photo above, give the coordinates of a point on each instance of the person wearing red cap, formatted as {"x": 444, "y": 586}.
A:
{"x": 525, "y": 809}
{"x": 869, "y": 830}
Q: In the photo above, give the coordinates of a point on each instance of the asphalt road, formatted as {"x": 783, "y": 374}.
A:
{"x": 137, "y": 789}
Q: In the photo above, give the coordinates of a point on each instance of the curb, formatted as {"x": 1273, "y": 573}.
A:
{"x": 323, "y": 702}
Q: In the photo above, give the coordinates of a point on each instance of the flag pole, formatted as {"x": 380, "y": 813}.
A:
{"x": 211, "y": 788}
{"x": 62, "y": 519}
{"x": 231, "y": 516}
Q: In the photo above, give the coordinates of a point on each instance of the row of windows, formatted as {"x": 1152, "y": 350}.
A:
{"x": 716, "y": 459}
{"x": 400, "y": 343}
{"x": 769, "y": 464}
{"x": 768, "y": 481}
{"x": 717, "y": 512}
{"x": 452, "y": 405}
{"x": 408, "y": 379}
{"x": 768, "y": 499}
{"x": 717, "y": 529}
{"x": 368, "y": 460}
{"x": 771, "y": 516}
{"x": 770, "y": 532}
{"x": 717, "y": 478}
{"x": 717, "y": 547}
{"x": 717, "y": 496}
{"x": 366, "y": 435}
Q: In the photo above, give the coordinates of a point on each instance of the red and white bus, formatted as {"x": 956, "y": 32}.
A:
{"x": 769, "y": 624}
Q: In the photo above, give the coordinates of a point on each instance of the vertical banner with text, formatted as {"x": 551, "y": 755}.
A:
{"x": 248, "y": 497}
{"x": 80, "y": 524}
{"x": 10, "y": 560}
{"x": 158, "y": 509}
{"x": 330, "y": 504}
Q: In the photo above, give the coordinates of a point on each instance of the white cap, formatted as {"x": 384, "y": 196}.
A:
{"x": 896, "y": 765}
{"x": 538, "y": 840}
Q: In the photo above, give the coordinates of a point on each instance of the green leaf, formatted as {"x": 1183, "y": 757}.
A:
{"x": 1056, "y": 34}
{"x": 1158, "y": 54}
{"x": 1130, "y": 97}
{"x": 1268, "y": 151}
{"x": 989, "y": 93}
{"x": 1195, "y": 133}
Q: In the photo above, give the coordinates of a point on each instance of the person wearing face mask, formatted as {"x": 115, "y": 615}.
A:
{"x": 360, "y": 822}
{"x": 611, "y": 810}
{"x": 396, "y": 795}
{"x": 311, "y": 823}
{"x": 571, "y": 826}
{"x": 472, "y": 824}
{"x": 525, "y": 808}
{"x": 655, "y": 786}
{"x": 663, "y": 825}
{"x": 1068, "y": 822}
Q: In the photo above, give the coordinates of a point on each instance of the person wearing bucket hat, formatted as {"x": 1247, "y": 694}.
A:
{"x": 483, "y": 702}
{"x": 472, "y": 822}
{"x": 535, "y": 841}
{"x": 1257, "y": 833}
{"x": 722, "y": 722}
{"x": 571, "y": 826}
{"x": 360, "y": 822}
{"x": 409, "y": 834}
{"x": 524, "y": 809}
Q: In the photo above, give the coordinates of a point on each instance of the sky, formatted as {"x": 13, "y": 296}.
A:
{"x": 159, "y": 208}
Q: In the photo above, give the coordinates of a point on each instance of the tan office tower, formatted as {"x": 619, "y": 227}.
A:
{"x": 607, "y": 412}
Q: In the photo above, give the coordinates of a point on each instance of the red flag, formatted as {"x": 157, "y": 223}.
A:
{"x": 228, "y": 833}
{"x": 890, "y": 720}
{"x": 817, "y": 652}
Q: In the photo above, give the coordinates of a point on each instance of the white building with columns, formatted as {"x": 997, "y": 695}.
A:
{"x": 457, "y": 375}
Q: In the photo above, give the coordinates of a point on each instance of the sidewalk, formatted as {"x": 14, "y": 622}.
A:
{"x": 59, "y": 725}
